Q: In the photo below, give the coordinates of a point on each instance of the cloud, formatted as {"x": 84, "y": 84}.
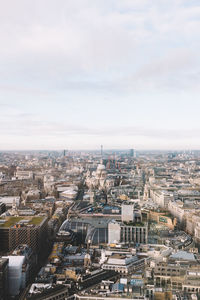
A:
{"x": 100, "y": 39}
{"x": 96, "y": 61}
{"x": 30, "y": 125}
{"x": 175, "y": 71}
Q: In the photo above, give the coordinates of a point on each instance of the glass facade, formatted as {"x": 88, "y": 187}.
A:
{"x": 97, "y": 235}
{"x": 86, "y": 232}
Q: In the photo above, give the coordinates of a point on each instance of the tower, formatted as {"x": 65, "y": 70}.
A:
{"x": 92, "y": 197}
{"x": 132, "y": 152}
{"x": 87, "y": 258}
{"x": 14, "y": 208}
{"x": 101, "y": 150}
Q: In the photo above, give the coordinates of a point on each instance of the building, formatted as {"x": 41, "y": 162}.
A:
{"x": 22, "y": 174}
{"x": 94, "y": 230}
{"x": 15, "y": 274}
{"x": 127, "y": 213}
{"x": 23, "y": 230}
{"x": 102, "y": 297}
{"x": 113, "y": 232}
{"x": 176, "y": 208}
{"x": 134, "y": 233}
{"x": 30, "y": 262}
{"x": 123, "y": 263}
{"x": 161, "y": 218}
{"x": 41, "y": 291}
{"x": 2, "y": 207}
{"x": 3, "y": 278}
{"x": 132, "y": 152}
{"x": 8, "y": 201}
{"x": 192, "y": 281}
{"x": 161, "y": 197}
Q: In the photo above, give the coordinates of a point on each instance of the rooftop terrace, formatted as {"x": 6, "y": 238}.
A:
{"x": 11, "y": 221}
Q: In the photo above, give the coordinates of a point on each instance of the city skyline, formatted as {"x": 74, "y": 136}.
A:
{"x": 76, "y": 75}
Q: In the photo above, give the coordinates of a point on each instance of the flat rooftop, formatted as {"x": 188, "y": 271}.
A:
{"x": 26, "y": 220}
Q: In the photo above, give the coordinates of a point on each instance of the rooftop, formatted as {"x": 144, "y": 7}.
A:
{"x": 15, "y": 261}
{"x": 11, "y": 221}
{"x": 136, "y": 224}
{"x": 183, "y": 255}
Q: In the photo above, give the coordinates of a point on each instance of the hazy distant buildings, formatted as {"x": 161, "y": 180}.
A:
{"x": 99, "y": 204}
{"x": 132, "y": 152}
{"x": 21, "y": 174}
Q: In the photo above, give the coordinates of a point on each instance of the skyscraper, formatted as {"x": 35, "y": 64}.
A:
{"x": 101, "y": 150}
{"x": 132, "y": 152}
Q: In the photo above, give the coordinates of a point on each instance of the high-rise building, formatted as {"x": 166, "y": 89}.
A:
{"x": 132, "y": 152}
{"x": 101, "y": 150}
{"x": 65, "y": 152}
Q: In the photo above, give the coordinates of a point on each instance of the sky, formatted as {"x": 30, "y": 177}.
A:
{"x": 77, "y": 74}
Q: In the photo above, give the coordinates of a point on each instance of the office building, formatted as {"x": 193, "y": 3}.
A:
{"x": 23, "y": 230}
{"x": 15, "y": 274}
{"x": 132, "y": 152}
{"x": 133, "y": 233}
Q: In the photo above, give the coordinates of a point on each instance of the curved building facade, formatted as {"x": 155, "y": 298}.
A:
{"x": 93, "y": 231}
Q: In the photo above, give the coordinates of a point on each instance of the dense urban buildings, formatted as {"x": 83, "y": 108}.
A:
{"x": 95, "y": 225}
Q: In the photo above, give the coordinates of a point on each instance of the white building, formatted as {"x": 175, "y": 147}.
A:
{"x": 176, "y": 209}
{"x": 161, "y": 197}
{"x": 123, "y": 263}
{"x": 113, "y": 232}
{"x": 98, "y": 178}
{"x": 119, "y": 232}
{"x": 15, "y": 274}
{"x": 127, "y": 213}
{"x": 8, "y": 201}
{"x": 21, "y": 174}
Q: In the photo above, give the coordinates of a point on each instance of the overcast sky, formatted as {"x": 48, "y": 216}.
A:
{"x": 76, "y": 74}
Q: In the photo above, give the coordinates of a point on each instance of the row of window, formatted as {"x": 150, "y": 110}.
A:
{"x": 60, "y": 297}
{"x": 133, "y": 229}
{"x": 168, "y": 270}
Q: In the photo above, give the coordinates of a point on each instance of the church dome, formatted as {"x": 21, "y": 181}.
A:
{"x": 101, "y": 167}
